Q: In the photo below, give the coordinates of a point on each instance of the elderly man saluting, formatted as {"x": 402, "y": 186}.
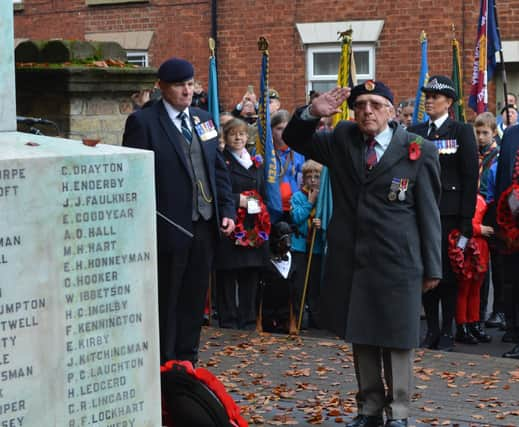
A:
{"x": 384, "y": 239}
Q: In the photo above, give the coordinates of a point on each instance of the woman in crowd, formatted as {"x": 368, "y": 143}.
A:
{"x": 241, "y": 257}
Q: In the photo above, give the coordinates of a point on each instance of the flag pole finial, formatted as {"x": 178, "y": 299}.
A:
{"x": 345, "y": 34}
{"x": 423, "y": 36}
{"x": 263, "y": 44}
{"x": 212, "y": 45}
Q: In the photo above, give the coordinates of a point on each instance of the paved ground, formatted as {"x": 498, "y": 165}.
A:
{"x": 278, "y": 380}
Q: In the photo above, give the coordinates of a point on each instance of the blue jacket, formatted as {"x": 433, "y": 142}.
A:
{"x": 300, "y": 212}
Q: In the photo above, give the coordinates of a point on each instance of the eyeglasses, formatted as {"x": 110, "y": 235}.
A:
{"x": 234, "y": 133}
{"x": 361, "y": 105}
{"x": 313, "y": 177}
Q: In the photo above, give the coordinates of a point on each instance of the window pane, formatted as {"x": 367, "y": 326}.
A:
{"x": 323, "y": 86}
{"x": 137, "y": 58}
{"x": 326, "y": 63}
{"x": 361, "y": 62}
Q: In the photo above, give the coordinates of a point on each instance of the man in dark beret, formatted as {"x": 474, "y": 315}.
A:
{"x": 384, "y": 244}
{"x": 456, "y": 143}
{"x": 194, "y": 203}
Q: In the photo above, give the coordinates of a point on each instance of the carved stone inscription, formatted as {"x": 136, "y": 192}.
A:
{"x": 78, "y": 315}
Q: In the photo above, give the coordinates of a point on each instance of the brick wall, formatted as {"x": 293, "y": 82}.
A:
{"x": 183, "y": 27}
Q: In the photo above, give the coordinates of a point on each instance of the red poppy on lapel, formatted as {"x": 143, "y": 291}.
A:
{"x": 415, "y": 149}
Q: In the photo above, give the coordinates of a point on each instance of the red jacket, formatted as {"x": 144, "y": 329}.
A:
{"x": 481, "y": 242}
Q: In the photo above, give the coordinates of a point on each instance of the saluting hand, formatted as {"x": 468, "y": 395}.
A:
{"x": 329, "y": 102}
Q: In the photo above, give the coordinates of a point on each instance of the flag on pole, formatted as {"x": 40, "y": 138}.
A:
{"x": 487, "y": 44}
{"x": 212, "y": 89}
{"x": 264, "y": 143}
{"x": 458, "y": 107}
{"x": 346, "y": 74}
{"x": 419, "y": 114}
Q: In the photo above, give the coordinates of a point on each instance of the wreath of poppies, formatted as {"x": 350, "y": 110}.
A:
{"x": 466, "y": 264}
{"x": 415, "y": 149}
{"x": 257, "y": 235}
{"x": 508, "y": 224}
{"x": 216, "y": 387}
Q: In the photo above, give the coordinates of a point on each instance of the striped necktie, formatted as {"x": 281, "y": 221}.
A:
{"x": 185, "y": 129}
{"x": 371, "y": 154}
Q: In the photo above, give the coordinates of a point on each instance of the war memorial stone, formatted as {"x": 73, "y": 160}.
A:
{"x": 78, "y": 301}
{"x": 78, "y": 288}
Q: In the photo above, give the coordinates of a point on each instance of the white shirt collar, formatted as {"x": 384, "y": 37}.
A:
{"x": 440, "y": 121}
{"x": 173, "y": 114}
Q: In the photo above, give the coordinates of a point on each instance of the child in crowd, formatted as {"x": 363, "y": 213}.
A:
{"x": 469, "y": 329}
{"x": 303, "y": 216}
{"x": 485, "y": 127}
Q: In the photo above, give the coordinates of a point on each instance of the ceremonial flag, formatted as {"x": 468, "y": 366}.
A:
{"x": 419, "y": 114}
{"x": 264, "y": 143}
{"x": 346, "y": 74}
{"x": 487, "y": 44}
{"x": 212, "y": 89}
{"x": 458, "y": 107}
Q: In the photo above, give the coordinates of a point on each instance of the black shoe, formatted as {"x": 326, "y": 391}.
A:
{"x": 366, "y": 421}
{"x": 510, "y": 336}
{"x": 512, "y": 354}
{"x": 477, "y": 330}
{"x": 445, "y": 343}
{"x": 431, "y": 340}
{"x": 464, "y": 335}
{"x": 396, "y": 423}
{"x": 495, "y": 320}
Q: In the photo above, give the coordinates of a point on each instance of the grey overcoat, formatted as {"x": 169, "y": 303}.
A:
{"x": 379, "y": 250}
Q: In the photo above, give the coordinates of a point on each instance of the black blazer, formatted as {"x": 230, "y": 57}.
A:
{"x": 230, "y": 256}
{"x": 151, "y": 129}
{"x": 459, "y": 171}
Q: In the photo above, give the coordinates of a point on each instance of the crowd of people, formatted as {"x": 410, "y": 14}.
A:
{"x": 425, "y": 219}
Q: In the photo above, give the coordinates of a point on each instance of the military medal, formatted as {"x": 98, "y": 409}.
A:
{"x": 447, "y": 146}
{"x": 206, "y": 130}
{"x": 395, "y": 185}
{"x": 403, "y": 185}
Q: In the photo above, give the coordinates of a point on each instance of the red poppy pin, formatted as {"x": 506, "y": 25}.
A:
{"x": 415, "y": 149}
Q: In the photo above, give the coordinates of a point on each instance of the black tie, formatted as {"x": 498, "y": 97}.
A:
{"x": 432, "y": 129}
{"x": 185, "y": 129}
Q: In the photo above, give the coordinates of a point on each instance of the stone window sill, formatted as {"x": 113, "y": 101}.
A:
{"x": 102, "y": 2}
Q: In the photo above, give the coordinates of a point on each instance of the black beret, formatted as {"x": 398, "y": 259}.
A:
{"x": 370, "y": 87}
{"x": 176, "y": 70}
{"x": 441, "y": 84}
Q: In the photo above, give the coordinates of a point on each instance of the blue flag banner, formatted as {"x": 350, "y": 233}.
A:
{"x": 265, "y": 145}
{"x": 324, "y": 205}
{"x": 488, "y": 44}
{"x": 419, "y": 114}
{"x": 212, "y": 92}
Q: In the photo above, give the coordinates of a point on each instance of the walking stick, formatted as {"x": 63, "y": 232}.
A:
{"x": 308, "y": 265}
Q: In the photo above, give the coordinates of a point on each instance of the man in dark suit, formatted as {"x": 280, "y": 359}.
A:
{"x": 507, "y": 170}
{"x": 384, "y": 243}
{"x": 456, "y": 143}
{"x": 194, "y": 199}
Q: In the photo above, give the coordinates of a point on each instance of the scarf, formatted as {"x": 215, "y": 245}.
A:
{"x": 243, "y": 158}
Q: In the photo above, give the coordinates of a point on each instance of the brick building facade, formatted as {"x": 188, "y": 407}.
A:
{"x": 302, "y": 36}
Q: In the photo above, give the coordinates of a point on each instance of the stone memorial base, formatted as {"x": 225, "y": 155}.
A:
{"x": 78, "y": 287}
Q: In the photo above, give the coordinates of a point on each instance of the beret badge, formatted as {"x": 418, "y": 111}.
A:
{"x": 369, "y": 85}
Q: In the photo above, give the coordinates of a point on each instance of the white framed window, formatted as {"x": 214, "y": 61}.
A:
{"x": 137, "y": 57}
{"x": 323, "y": 64}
